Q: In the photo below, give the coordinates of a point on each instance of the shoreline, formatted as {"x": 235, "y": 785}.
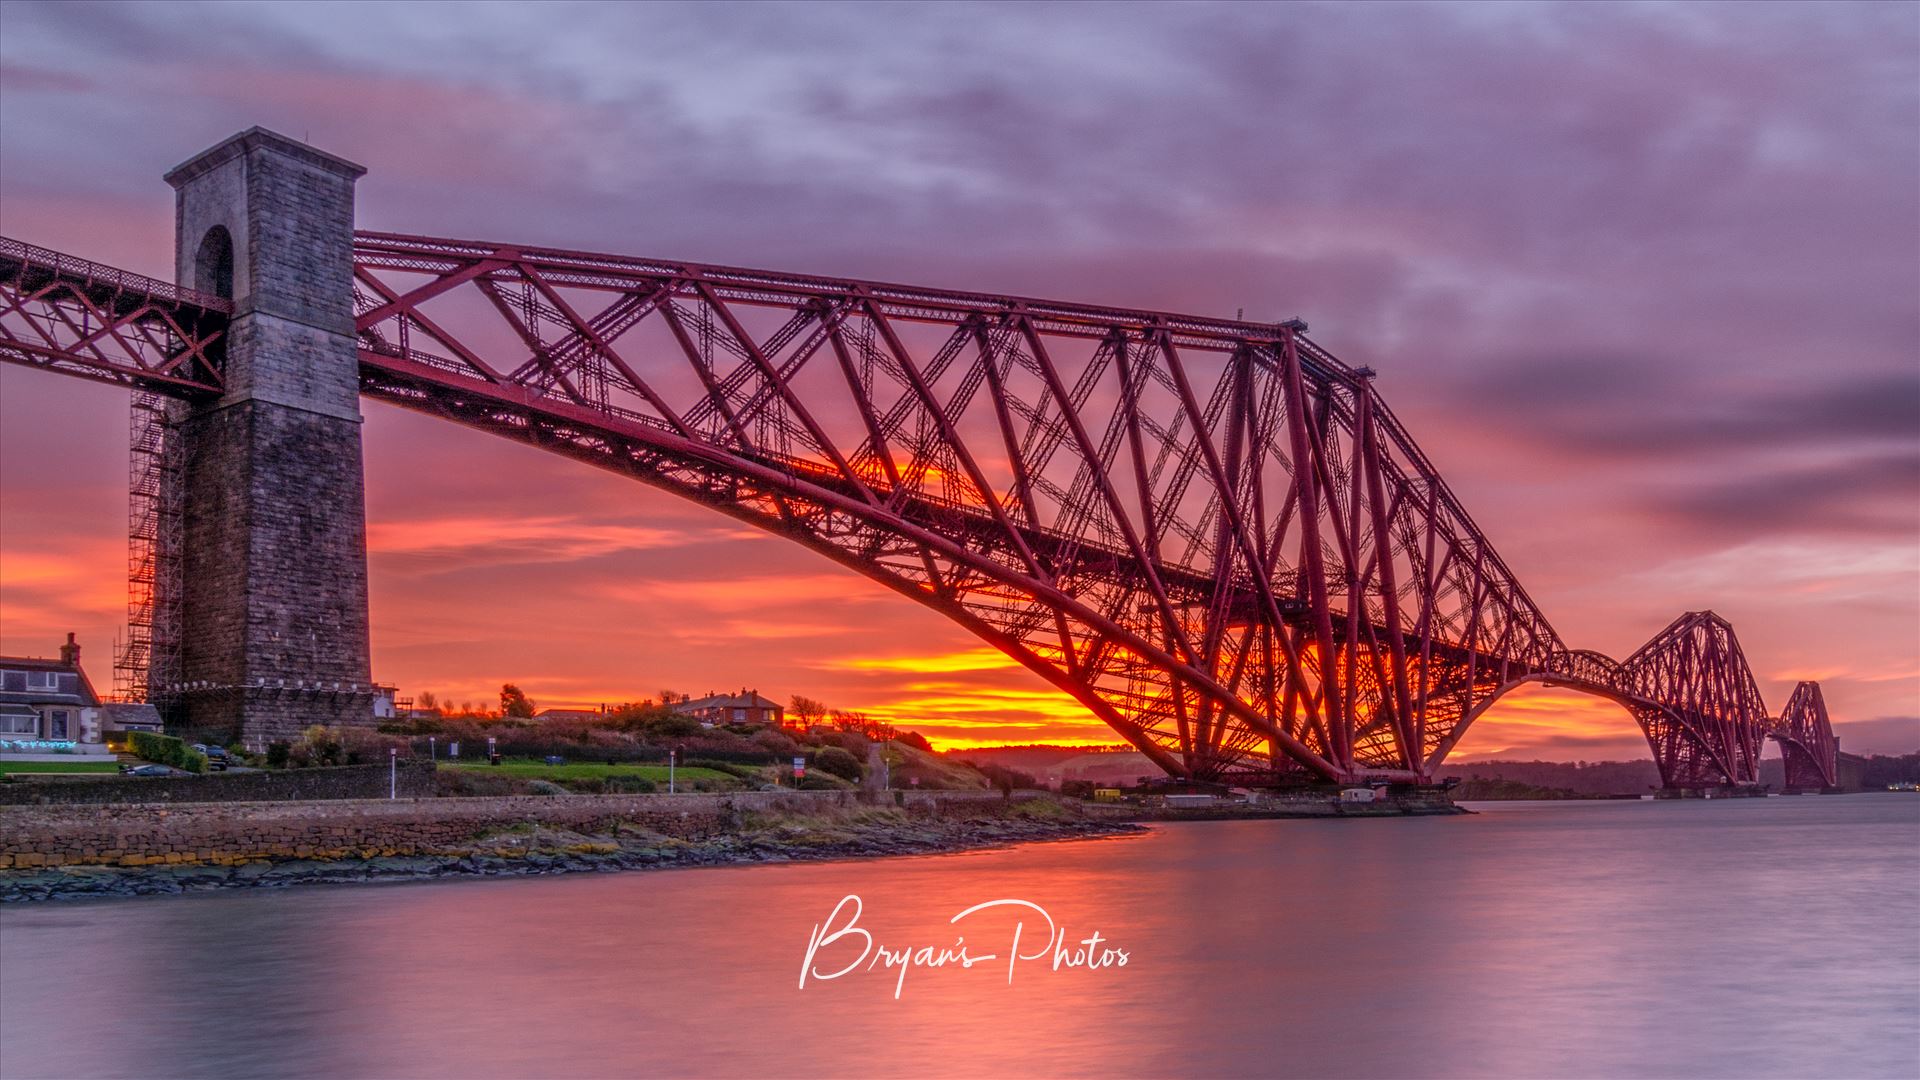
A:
{"x": 124, "y": 850}
{"x": 537, "y": 850}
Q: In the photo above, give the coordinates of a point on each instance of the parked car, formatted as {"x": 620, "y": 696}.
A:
{"x": 147, "y": 770}
{"x": 216, "y": 757}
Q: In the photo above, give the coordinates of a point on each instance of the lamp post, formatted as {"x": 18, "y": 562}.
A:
{"x": 393, "y": 772}
{"x": 670, "y": 762}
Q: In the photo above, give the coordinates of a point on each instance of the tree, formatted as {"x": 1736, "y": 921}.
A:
{"x": 515, "y": 703}
{"x": 916, "y": 740}
{"x": 637, "y": 716}
{"x": 805, "y": 711}
{"x": 428, "y": 702}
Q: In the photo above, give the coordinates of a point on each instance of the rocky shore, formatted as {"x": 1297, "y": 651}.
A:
{"x": 866, "y": 832}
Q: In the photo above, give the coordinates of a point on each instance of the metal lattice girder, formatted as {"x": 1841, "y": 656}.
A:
{"x": 1211, "y": 533}
{"x": 1808, "y": 750}
{"x": 98, "y": 322}
{"x": 1701, "y": 707}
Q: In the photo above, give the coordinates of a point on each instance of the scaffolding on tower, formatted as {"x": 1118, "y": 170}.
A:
{"x": 149, "y": 660}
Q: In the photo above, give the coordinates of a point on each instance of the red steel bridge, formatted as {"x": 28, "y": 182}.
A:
{"x": 1213, "y": 534}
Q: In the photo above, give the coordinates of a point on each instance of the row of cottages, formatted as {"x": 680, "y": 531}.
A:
{"x": 46, "y": 701}
{"x": 745, "y": 707}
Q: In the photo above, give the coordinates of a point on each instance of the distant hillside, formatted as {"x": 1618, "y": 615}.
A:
{"x": 914, "y": 767}
{"x": 1573, "y": 777}
{"x": 1037, "y": 759}
{"x": 1475, "y": 790}
{"x": 1121, "y": 769}
{"x": 1551, "y": 779}
{"x": 1637, "y": 777}
{"x": 1876, "y": 771}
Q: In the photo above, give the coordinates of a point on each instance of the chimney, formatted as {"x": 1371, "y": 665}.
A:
{"x": 70, "y": 652}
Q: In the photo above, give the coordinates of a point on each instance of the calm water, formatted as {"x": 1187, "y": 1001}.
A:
{"x": 1749, "y": 938}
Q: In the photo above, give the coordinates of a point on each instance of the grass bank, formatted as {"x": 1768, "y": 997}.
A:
{"x": 77, "y": 766}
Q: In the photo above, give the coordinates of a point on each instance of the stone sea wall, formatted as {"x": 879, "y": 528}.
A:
{"x": 413, "y": 779}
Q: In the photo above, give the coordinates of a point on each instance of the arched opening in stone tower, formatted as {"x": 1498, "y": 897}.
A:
{"x": 213, "y": 263}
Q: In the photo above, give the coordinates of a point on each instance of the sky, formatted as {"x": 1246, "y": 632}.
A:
{"x": 1642, "y": 279}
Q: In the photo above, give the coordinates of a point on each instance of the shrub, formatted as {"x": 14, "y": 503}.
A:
{"x": 630, "y": 785}
{"x": 545, "y": 787}
{"x": 317, "y": 747}
{"x": 363, "y": 747}
{"x": 834, "y": 760}
{"x": 277, "y": 755}
{"x": 167, "y": 750}
{"x": 464, "y": 782}
{"x": 321, "y": 746}
{"x": 778, "y": 743}
{"x": 737, "y": 751}
{"x": 673, "y": 726}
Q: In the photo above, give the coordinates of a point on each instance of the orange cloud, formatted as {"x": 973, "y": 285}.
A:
{"x": 557, "y": 538}
{"x": 1552, "y": 724}
{"x": 981, "y": 659}
{"x": 752, "y": 593}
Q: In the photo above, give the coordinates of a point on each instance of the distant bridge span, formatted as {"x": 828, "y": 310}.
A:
{"x": 1213, "y": 534}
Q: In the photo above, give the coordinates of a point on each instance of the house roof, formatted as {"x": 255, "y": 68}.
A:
{"x": 745, "y": 699}
{"x": 84, "y": 695}
{"x": 130, "y": 712}
{"x": 32, "y": 663}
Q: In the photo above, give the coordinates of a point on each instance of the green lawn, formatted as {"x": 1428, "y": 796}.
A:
{"x": 75, "y": 766}
{"x": 581, "y": 770}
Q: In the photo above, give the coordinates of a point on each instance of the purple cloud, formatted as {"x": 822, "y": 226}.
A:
{"x": 1642, "y": 280}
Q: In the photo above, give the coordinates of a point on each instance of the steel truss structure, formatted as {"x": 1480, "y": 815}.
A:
{"x": 97, "y": 322}
{"x": 1807, "y": 747}
{"x": 1211, "y": 533}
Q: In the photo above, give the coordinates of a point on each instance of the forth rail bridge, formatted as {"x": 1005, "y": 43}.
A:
{"x": 1211, "y": 533}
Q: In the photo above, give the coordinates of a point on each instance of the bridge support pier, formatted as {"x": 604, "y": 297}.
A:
{"x": 272, "y": 631}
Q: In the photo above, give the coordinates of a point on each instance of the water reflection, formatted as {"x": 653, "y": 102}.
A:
{"x": 1776, "y": 937}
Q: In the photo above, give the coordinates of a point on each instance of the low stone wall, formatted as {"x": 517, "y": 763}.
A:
{"x": 229, "y": 833}
{"x": 414, "y": 779}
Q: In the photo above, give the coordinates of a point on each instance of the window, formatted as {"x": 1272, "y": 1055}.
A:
{"x": 12, "y": 723}
{"x": 57, "y": 724}
{"x": 739, "y": 716}
{"x": 13, "y": 681}
{"x": 43, "y": 680}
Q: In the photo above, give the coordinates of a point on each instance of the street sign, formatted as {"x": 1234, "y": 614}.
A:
{"x": 799, "y": 767}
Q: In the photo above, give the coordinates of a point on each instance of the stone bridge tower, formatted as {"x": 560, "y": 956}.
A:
{"x": 272, "y": 613}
